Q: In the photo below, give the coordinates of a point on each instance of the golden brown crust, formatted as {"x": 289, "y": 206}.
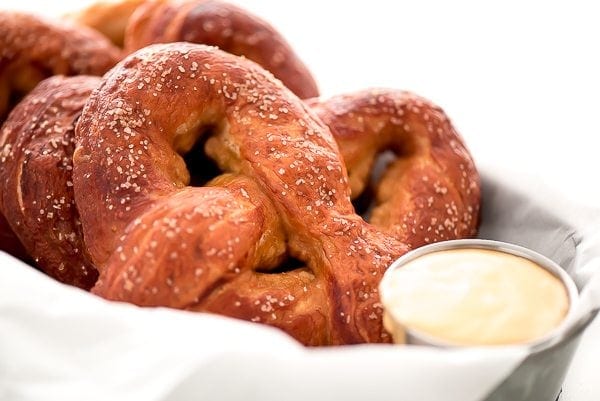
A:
{"x": 226, "y": 26}
{"x": 32, "y": 49}
{"x": 430, "y": 192}
{"x": 36, "y": 189}
{"x": 157, "y": 241}
{"x": 108, "y": 17}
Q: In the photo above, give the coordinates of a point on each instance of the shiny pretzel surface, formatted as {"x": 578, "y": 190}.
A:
{"x": 36, "y": 185}
{"x": 157, "y": 241}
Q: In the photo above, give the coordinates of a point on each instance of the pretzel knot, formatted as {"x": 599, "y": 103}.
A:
{"x": 284, "y": 193}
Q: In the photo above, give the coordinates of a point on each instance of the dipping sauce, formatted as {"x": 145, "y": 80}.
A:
{"x": 473, "y": 297}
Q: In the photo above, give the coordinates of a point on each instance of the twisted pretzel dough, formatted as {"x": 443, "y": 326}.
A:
{"x": 36, "y": 188}
{"x": 226, "y": 26}
{"x": 431, "y": 191}
{"x": 157, "y": 241}
{"x": 32, "y": 49}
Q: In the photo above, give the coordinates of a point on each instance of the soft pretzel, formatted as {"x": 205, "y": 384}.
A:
{"x": 36, "y": 188}
{"x": 32, "y": 49}
{"x": 138, "y": 23}
{"x": 431, "y": 191}
{"x": 216, "y": 23}
{"x": 284, "y": 192}
{"x": 108, "y": 17}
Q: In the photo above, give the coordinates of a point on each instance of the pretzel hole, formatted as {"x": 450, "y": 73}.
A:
{"x": 9, "y": 98}
{"x": 365, "y": 202}
{"x": 202, "y": 168}
{"x": 18, "y": 81}
{"x": 288, "y": 265}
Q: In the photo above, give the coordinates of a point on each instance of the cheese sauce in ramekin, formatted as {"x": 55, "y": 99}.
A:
{"x": 474, "y": 293}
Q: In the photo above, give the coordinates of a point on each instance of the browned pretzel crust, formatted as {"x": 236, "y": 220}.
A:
{"x": 32, "y": 49}
{"x": 36, "y": 188}
{"x": 216, "y": 23}
{"x": 430, "y": 192}
{"x": 108, "y": 17}
{"x": 284, "y": 192}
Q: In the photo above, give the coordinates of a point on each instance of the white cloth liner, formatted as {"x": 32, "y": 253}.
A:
{"x": 61, "y": 343}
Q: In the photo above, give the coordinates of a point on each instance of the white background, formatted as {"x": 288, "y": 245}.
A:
{"x": 519, "y": 79}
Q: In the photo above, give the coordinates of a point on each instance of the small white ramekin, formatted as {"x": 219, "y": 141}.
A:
{"x": 412, "y": 336}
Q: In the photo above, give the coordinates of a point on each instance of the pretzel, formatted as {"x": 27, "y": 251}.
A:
{"x": 138, "y": 23}
{"x": 216, "y": 23}
{"x": 32, "y": 49}
{"x": 219, "y": 248}
{"x": 430, "y": 193}
{"x": 36, "y": 189}
{"x": 108, "y": 17}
